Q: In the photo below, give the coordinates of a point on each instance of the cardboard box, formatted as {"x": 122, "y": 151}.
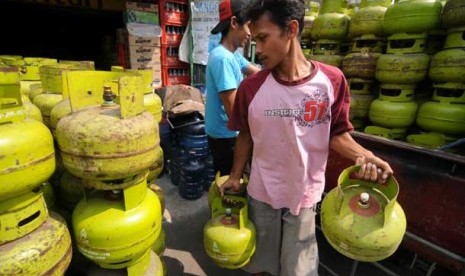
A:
{"x": 144, "y": 41}
{"x": 131, "y": 16}
{"x": 156, "y": 71}
{"x": 143, "y": 34}
{"x": 141, "y": 6}
{"x": 157, "y": 80}
{"x": 144, "y": 54}
{"x": 155, "y": 67}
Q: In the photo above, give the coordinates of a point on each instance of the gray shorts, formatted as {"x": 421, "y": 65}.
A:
{"x": 286, "y": 244}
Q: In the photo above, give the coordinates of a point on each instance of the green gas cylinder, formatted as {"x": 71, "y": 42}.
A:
{"x": 413, "y": 16}
{"x": 229, "y": 236}
{"x": 115, "y": 228}
{"x": 333, "y": 26}
{"x": 447, "y": 66}
{"x": 362, "y": 220}
{"x": 402, "y": 68}
{"x": 452, "y": 14}
{"x": 367, "y": 20}
{"x": 360, "y": 65}
{"x": 445, "y": 113}
{"x": 395, "y": 107}
{"x": 214, "y": 190}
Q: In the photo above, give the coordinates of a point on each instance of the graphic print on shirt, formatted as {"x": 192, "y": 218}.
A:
{"x": 312, "y": 110}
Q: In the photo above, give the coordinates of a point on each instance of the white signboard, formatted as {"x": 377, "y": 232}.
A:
{"x": 204, "y": 18}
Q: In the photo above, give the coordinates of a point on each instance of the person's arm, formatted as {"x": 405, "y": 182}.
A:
{"x": 372, "y": 167}
{"x": 247, "y": 68}
{"x": 251, "y": 69}
{"x": 227, "y": 98}
{"x": 242, "y": 154}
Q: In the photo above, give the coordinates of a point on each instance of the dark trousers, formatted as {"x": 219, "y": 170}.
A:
{"x": 222, "y": 150}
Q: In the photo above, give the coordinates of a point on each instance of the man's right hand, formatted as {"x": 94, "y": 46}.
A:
{"x": 234, "y": 184}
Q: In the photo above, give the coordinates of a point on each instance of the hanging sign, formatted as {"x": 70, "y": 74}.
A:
{"x": 205, "y": 16}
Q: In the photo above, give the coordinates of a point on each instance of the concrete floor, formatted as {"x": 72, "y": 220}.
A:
{"x": 185, "y": 255}
{"x": 183, "y": 223}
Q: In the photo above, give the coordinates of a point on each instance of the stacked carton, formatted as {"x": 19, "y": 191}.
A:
{"x": 142, "y": 38}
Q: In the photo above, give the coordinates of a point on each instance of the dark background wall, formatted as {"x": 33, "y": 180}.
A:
{"x": 39, "y": 30}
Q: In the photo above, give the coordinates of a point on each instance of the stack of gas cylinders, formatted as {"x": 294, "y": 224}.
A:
{"x": 110, "y": 148}
{"x": 102, "y": 162}
{"x": 33, "y": 240}
{"x": 442, "y": 118}
{"x": 359, "y": 65}
{"x": 329, "y": 31}
{"x": 403, "y": 68}
{"x": 190, "y": 165}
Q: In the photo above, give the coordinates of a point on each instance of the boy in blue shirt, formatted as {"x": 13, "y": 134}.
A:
{"x": 225, "y": 69}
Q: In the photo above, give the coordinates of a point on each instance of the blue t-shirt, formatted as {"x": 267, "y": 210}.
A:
{"x": 224, "y": 72}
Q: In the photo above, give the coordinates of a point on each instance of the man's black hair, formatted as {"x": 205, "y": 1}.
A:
{"x": 280, "y": 11}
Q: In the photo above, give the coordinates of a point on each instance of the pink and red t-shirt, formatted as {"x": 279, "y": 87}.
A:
{"x": 291, "y": 124}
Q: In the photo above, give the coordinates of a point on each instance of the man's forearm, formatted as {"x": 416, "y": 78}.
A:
{"x": 242, "y": 153}
{"x": 346, "y": 146}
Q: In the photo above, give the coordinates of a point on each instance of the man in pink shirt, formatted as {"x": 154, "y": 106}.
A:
{"x": 289, "y": 115}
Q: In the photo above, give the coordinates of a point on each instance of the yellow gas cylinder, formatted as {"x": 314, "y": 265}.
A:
{"x": 229, "y": 236}
{"x": 152, "y": 101}
{"x": 110, "y": 141}
{"x": 34, "y": 90}
{"x": 32, "y": 111}
{"x": 26, "y": 145}
{"x": 83, "y": 64}
{"x": 150, "y": 265}
{"x": 153, "y": 105}
{"x": 45, "y": 251}
{"x": 49, "y": 194}
{"x": 87, "y": 85}
{"x": 156, "y": 168}
{"x": 160, "y": 194}
{"x": 10, "y": 76}
{"x": 70, "y": 191}
{"x": 5, "y": 58}
{"x": 52, "y": 85}
{"x": 21, "y": 215}
{"x": 362, "y": 220}
{"x": 29, "y": 70}
{"x": 214, "y": 190}
{"x": 159, "y": 245}
{"x": 115, "y": 228}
